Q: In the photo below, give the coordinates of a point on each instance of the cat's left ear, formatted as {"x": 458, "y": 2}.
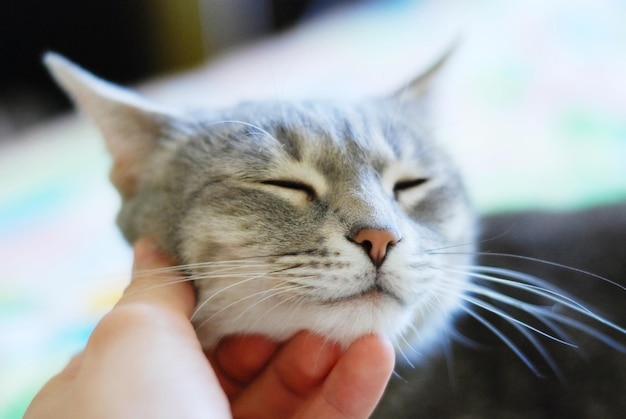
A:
{"x": 419, "y": 87}
{"x": 130, "y": 124}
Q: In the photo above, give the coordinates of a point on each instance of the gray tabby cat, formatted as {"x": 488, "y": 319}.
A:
{"x": 322, "y": 213}
{"x": 344, "y": 218}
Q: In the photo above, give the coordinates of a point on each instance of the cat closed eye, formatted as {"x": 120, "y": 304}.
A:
{"x": 294, "y": 185}
{"x": 408, "y": 184}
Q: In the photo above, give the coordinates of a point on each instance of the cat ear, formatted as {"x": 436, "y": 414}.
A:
{"x": 130, "y": 124}
{"x": 419, "y": 87}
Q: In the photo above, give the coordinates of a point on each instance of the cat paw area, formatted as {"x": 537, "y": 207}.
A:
{"x": 531, "y": 105}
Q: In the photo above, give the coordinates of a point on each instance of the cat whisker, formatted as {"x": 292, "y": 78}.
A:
{"x": 522, "y": 281}
{"x": 558, "y": 265}
{"x": 508, "y": 342}
{"x": 248, "y": 278}
{"x": 235, "y": 263}
{"x": 273, "y": 292}
{"x": 176, "y": 280}
{"x": 535, "y": 311}
{"x": 196, "y": 277}
{"x": 438, "y": 250}
{"x": 551, "y": 321}
{"x": 471, "y": 243}
{"x": 202, "y": 276}
{"x": 213, "y": 273}
{"x": 448, "y": 357}
{"x": 554, "y": 295}
{"x": 301, "y": 297}
{"x": 406, "y": 358}
{"x": 544, "y": 291}
{"x": 523, "y": 327}
{"x": 535, "y": 260}
{"x": 583, "y": 327}
{"x": 291, "y": 287}
{"x": 158, "y": 271}
{"x": 457, "y": 336}
{"x": 424, "y": 313}
{"x": 247, "y": 124}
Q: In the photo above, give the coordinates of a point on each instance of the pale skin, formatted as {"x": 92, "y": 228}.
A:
{"x": 143, "y": 360}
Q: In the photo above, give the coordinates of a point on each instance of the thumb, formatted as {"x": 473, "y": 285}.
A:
{"x": 157, "y": 281}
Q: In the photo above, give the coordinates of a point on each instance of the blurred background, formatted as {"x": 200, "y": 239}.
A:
{"x": 125, "y": 41}
{"x": 532, "y": 106}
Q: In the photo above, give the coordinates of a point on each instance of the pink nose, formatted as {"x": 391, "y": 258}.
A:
{"x": 376, "y": 243}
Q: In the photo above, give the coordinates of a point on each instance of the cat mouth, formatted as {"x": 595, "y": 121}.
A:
{"x": 375, "y": 293}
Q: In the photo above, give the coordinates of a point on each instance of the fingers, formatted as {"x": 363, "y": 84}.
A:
{"x": 310, "y": 378}
{"x": 152, "y": 283}
{"x": 239, "y": 359}
{"x": 356, "y": 383}
{"x": 305, "y": 362}
{"x": 297, "y": 370}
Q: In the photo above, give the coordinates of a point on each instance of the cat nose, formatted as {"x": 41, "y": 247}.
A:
{"x": 376, "y": 243}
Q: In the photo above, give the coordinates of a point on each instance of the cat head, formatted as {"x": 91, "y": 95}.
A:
{"x": 321, "y": 215}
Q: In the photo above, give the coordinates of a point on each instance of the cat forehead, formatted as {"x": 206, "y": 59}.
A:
{"x": 326, "y": 135}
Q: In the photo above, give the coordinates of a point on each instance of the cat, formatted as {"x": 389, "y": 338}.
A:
{"x": 324, "y": 213}
{"x": 344, "y": 218}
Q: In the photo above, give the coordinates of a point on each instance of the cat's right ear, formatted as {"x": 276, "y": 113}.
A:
{"x": 130, "y": 124}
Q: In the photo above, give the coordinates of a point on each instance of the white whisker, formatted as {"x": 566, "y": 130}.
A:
{"x": 516, "y": 350}
{"x": 226, "y": 288}
{"x": 256, "y": 127}
{"x": 532, "y": 289}
{"x": 186, "y": 268}
{"x": 281, "y": 302}
{"x": 576, "y": 324}
{"x": 406, "y": 358}
{"x": 529, "y": 309}
{"x": 204, "y": 276}
{"x": 555, "y": 296}
{"x": 247, "y": 297}
{"x": 540, "y": 261}
{"x": 166, "y": 284}
{"x": 292, "y": 287}
{"x": 544, "y": 315}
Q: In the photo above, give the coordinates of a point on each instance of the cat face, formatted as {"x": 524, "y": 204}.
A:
{"x": 314, "y": 215}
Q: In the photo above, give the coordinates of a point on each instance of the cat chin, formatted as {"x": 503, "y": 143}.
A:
{"x": 338, "y": 322}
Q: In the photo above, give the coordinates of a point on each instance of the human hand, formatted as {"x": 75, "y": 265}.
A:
{"x": 144, "y": 360}
{"x": 308, "y": 377}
